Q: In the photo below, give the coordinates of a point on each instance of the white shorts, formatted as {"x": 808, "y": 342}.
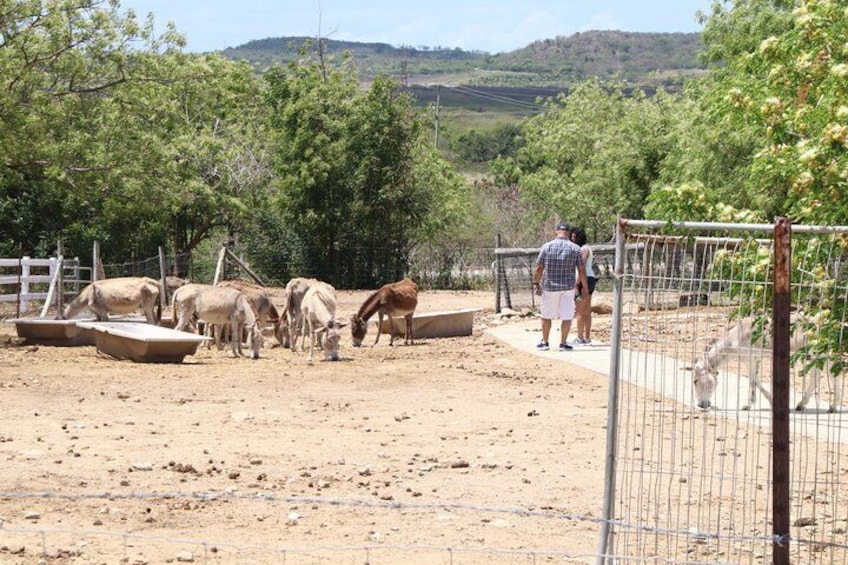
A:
{"x": 558, "y": 304}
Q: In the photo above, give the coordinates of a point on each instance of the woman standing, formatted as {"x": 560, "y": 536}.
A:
{"x": 584, "y": 306}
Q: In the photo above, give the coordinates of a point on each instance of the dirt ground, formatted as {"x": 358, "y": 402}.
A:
{"x": 452, "y": 450}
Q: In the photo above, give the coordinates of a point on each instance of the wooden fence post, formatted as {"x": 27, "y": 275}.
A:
{"x": 497, "y": 274}
{"x": 60, "y": 282}
{"x": 163, "y": 278}
{"x": 219, "y": 268}
{"x": 96, "y": 267}
{"x": 24, "y": 286}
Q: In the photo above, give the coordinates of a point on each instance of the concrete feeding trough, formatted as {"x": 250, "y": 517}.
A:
{"x": 142, "y": 342}
{"x": 448, "y": 323}
{"x": 43, "y": 331}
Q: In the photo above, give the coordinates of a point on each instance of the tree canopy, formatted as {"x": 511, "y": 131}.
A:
{"x": 113, "y": 133}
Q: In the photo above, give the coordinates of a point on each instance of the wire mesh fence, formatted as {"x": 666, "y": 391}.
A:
{"x": 693, "y": 441}
{"x": 444, "y": 267}
{"x": 513, "y": 274}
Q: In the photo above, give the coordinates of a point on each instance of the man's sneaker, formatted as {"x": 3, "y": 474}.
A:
{"x": 586, "y": 341}
{"x": 565, "y": 347}
{"x": 542, "y": 346}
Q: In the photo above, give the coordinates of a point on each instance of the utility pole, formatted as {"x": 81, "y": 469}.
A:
{"x": 438, "y": 94}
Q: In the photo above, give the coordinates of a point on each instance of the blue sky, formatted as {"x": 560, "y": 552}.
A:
{"x": 485, "y": 25}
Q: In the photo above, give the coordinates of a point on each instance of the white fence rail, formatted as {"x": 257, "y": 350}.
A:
{"x": 28, "y": 279}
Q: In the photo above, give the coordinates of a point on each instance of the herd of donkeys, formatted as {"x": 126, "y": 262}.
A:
{"x": 244, "y": 310}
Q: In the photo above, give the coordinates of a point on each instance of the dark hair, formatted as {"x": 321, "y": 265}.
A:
{"x": 579, "y": 236}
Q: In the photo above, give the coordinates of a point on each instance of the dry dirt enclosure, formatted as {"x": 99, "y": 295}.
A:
{"x": 453, "y": 450}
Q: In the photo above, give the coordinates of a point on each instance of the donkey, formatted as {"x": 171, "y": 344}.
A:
{"x": 258, "y": 297}
{"x": 394, "y": 299}
{"x": 118, "y": 296}
{"x": 318, "y": 309}
{"x": 218, "y": 305}
{"x": 295, "y": 291}
{"x": 740, "y": 341}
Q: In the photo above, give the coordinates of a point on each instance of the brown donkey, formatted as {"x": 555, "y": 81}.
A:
{"x": 395, "y": 299}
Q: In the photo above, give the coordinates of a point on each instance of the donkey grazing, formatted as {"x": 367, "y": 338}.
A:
{"x": 264, "y": 309}
{"x": 219, "y": 306}
{"x": 118, "y": 296}
{"x": 318, "y": 309}
{"x": 395, "y": 299}
{"x": 740, "y": 342}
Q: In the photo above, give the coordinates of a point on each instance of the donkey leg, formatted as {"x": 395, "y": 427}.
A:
{"x": 836, "y": 381}
{"x": 380, "y": 326}
{"x": 755, "y": 383}
{"x": 235, "y": 339}
{"x": 766, "y": 392}
{"x": 812, "y": 383}
{"x": 408, "y": 338}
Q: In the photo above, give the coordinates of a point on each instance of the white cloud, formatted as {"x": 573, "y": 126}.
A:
{"x": 601, "y": 20}
{"x": 508, "y": 35}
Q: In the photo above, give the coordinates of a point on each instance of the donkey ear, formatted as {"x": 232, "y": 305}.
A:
{"x": 341, "y": 323}
{"x": 319, "y": 331}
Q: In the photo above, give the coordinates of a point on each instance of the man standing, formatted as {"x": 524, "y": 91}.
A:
{"x": 555, "y": 275}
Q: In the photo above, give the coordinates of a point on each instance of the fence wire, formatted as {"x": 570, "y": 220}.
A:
{"x": 694, "y": 485}
{"x": 66, "y": 542}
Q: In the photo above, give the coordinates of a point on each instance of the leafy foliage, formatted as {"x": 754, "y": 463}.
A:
{"x": 592, "y": 156}
{"x": 114, "y": 134}
{"x": 356, "y": 185}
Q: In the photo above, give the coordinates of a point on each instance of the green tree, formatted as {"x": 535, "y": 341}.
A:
{"x": 592, "y": 156}
{"x": 783, "y": 76}
{"x": 112, "y": 133}
{"x": 357, "y": 186}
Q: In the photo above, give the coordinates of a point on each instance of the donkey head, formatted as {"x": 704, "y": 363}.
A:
{"x": 704, "y": 380}
{"x": 357, "y": 330}
{"x": 331, "y": 338}
{"x": 255, "y": 338}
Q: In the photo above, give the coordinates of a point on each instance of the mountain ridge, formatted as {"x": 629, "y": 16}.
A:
{"x": 650, "y": 58}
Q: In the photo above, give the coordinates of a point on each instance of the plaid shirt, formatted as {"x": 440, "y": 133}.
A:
{"x": 560, "y": 257}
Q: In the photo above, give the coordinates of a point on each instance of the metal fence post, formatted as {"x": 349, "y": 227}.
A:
{"x": 612, "y": 405}
{"x": 780, "y": 390}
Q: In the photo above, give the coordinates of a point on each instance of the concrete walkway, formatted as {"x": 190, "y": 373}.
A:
{"x": 666, "y": 376}
{"x": 525, "y": 335}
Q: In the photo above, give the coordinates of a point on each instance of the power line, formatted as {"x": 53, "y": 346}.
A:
{"x": 495, "y": 97}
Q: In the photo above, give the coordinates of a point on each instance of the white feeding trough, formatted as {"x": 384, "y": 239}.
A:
{"x": 448, "y": 323}
{"x": 43, "y": 331}
{"x": 143, "y": 343}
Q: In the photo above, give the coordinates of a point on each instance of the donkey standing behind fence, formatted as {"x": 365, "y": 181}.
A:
{"x": 395, "y": 299}
{"x": 740, "y": 342}
{"x": 122, "y": 295}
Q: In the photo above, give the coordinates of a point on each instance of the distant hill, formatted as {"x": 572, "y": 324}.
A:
{"x": 640, "y": 58}
{"x": 608, "y": 54}
{"x": 480, "y": 88}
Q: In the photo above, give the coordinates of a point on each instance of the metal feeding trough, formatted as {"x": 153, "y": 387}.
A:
{"x": 42, "y": 331}
{"x": 143, "y": 343}
{"x": 449, "y": 323}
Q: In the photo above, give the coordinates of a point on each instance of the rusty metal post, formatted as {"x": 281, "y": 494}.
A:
{"x": 780, "y": 390}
